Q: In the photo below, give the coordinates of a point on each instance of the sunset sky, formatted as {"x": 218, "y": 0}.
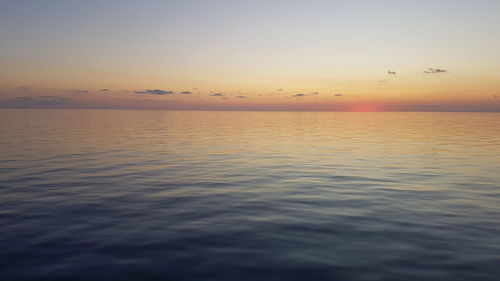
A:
{"x": 251, "y": 55}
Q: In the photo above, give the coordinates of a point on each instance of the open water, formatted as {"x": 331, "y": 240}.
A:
{"x": 179, "y": 195}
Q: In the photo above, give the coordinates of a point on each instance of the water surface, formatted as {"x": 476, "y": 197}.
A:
{"x": 166, "y": 195}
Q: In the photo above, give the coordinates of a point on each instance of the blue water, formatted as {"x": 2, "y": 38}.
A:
{"x": 159, "y": 195}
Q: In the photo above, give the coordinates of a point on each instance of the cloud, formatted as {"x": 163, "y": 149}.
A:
{"x": 241, "y": 97}
{"x": 54, "y": 98}
{"x": 382, "y": 81}
{"x": 186, "y": 93}
{"x": 299, "y": 95}
{"x": 435, "y": 70}
{"x": 339, "y": 95}
{"x": 391, "y": 72}
{"x": 155, "y": 92}
{"x": 24, "y": 99}
{"x": 24, "y": 89}
{"x": 279, "y": 90}
{"x": 495, "y": 96}
{"x": 314, "y": 93}
{"x": 79, "y": 92}
{"x": 104, "y": 90}
{"x": 217, "y": 95}
{"x": 38, "y": 101}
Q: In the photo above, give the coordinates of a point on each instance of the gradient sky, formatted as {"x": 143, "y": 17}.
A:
{"x": 251, "y": 55}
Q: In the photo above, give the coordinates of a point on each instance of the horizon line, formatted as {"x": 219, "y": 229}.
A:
{"x": 256, "y": 110}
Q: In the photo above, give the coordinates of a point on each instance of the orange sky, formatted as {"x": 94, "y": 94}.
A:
{"x": 254, "y": 55}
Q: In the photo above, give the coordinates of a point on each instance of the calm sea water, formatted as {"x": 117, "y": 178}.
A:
{"x": 159, "y": 195}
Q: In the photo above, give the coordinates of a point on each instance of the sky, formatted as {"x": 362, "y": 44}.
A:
{"x": 411, "y": 55}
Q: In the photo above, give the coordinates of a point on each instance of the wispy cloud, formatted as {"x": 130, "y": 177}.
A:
{"x": 24, "y": 89}
{"x": 391, "y": 72}
{"x": 299, "y": 95}
{"x": 23, "y": 99}
{"x": 79, "y": 92}
{"x": 279, "y": 90}
{"x": 382, "y": 81}
{"x": 435, "y": 70}
{"x": 217, "y": 95}
{"x": 154, "y": 92}
{"x": 54, "y": 98}
{"x": 241, "y": 97}
{"x": 104, "y": 90}
{"x": 186, "y": 93}
{"x": 314, "y": 93}
{"x": 339, "y": 95}
{"x": 38, "y": 101}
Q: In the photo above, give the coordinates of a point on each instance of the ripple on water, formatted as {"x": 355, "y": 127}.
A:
{"x": 249, "y": 196}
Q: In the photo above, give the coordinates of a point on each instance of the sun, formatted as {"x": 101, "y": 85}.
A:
{"x": 364, "y": 108}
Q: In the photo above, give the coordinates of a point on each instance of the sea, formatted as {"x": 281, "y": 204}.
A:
{"x": 243, "y": 196}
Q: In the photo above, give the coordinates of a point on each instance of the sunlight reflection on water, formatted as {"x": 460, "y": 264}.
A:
{"x": 116, "y": 194}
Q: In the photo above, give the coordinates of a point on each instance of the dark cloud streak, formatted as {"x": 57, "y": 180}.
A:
{"x": 435, "y": 70}
{"x": 79, "y": 92}
{"x": 154, "y": 92}
{"x": 38, "y": 102}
